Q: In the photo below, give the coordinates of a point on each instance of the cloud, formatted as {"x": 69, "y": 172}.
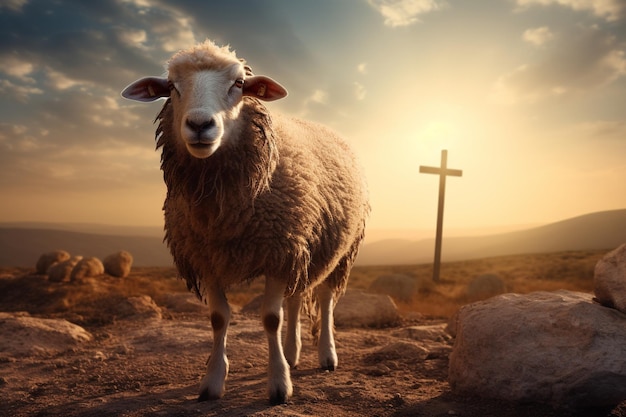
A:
{"x": 133, "y": 37}
{"x": 404, "y": 12}
{"x": 582, "y": 60}
{"x": 538, "y": 36}
{"x": 13, "y": 5}
{"x": 610, "y": 10}
{"x": 59, "y": 81}
{"x": 18, "y": 92}
{"x": 319, "y": 97}
{"x": 602, "y": 130}
{"x": 359, "y": 91}
{"x": 362, "y": 68}
{"x": 16, "y": 67}
{"x": 174, "y": 33}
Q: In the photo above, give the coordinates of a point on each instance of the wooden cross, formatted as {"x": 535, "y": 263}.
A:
{"x": 443, "y": 172}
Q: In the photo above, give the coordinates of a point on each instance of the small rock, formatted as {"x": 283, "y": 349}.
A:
{"x": 360, "y": 309}
{"x": 610, "y": 279}
{"x": 402, "y": 350}
{"x": 85, "y": 268}
{"x": 46, "y": 260}
{"x": 32, "y": 336}
{"x": 426, "y": 333}
{"x": 118, "y": 264}
{"x": 62, "y": 271}
{"x": 142, "y": 307}
{"x": 485, "y": 286}
{"x": 184, "y": 303}
{"x": 399, "y": 286}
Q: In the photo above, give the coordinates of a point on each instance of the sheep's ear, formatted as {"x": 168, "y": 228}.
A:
{"x": 147, "y": 89}
{"x": 263, "y": 88}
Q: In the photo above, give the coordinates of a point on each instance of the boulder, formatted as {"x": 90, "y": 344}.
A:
{"x": 61, "y": 271}
{"x": 485, "y": 286}
{"x": 118, "y": 264}
{"x": 46, "y": 260}
{"x": 32, "y": 336}
{"x": 361, "y": 309}
{"x": 399, "y": 286}
{"x": 85, "y": 268}
{"x": 552, "y": 347}
{"x": 610, "y": 279}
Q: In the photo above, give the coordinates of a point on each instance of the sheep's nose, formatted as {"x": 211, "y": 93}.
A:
{"x": 200, "y": 127}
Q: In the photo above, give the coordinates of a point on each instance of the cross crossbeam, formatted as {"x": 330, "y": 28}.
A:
{"x": 443, "y": 171}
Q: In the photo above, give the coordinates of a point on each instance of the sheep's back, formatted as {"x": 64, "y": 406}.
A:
{"x": 319, "y": 172}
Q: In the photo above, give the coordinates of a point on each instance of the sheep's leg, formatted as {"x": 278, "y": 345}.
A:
{"x": 326, "y": 345}
{"x": 213, "y": 386}
{"x": 279, "y": 380}
{"x": 293, "y": 342}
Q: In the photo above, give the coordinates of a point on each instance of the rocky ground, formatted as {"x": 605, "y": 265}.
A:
{"x": 147, "y": 360}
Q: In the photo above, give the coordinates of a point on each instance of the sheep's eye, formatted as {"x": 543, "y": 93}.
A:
{"x": 239, "y": 83}
{"x": 172, "y": 87}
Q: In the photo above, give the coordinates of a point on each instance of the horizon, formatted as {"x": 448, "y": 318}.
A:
{"x": 372, "y": 235}
{"x": 527, "y": 96}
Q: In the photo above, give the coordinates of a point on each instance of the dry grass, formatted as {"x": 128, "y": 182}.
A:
{"x": 90, "y": 299}
{"x": 520, "y": 273}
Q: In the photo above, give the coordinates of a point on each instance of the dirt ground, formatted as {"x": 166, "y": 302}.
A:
{"x": 152, "y": 367}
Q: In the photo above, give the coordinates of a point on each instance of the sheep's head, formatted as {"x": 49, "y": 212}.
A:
{"x": 206, "y": 85}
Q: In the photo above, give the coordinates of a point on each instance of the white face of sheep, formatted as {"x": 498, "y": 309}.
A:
{"x": 205, "y": 103}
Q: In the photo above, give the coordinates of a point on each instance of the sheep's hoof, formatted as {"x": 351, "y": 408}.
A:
{"x": 329, "y": 367}
{"x": 205, "y": 395}
{"x": 329, "y": 364}
{"x": 278, "y": 398}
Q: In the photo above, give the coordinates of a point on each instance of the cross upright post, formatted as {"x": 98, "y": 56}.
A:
{"x": 443, "y": 171}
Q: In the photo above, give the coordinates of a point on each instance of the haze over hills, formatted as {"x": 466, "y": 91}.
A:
{"x": 21, "y": 244}
{"x": 601, "y": 230}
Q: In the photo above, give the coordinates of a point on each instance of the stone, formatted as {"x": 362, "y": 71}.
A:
{"x": 557, "y": 347}
{"x": 424, "y": 333}
{"x": 485, "y": 286}
{"x": 141, "y": 307}
{"x": 118, "y": 264}
{"x": 399, "y": 286}
{"x": 46, "y": 260}
{"x": 61, "y": 271}
{"x": 184, "y": 303}
{"x": 609, "y": 279}
{"x": 398, "y": 350}
{"x": 254, "y": 306}
{"x": 361, "y": 309}
{"x": 35, "y": 336}
{"x": 87, "y": 268}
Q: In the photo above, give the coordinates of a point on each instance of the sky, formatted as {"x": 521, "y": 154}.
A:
{"x": 527, "y": 96}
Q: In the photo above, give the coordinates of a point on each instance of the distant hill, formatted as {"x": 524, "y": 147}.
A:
{"x": 20, "y": 246}
{"x": 602, "y": 230}
{"x": 91, "y": 228}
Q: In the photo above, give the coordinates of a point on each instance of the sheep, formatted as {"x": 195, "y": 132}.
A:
{"x": 252, "y": 194}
